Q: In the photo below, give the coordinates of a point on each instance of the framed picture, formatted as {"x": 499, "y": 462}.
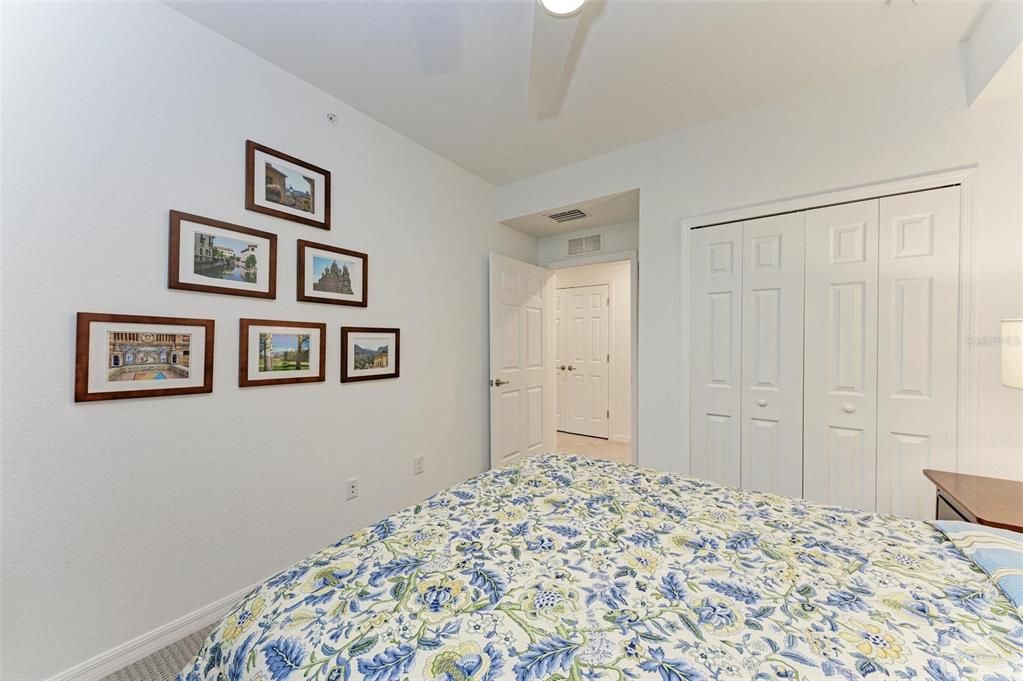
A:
{"x": 285, "y": 187}
{"x": 218, "y": 257}
{"x": 369, "y": 353}
{"x": 119, "y": 356}
{"x": 328, "y": 274}
{"x": 273, "y": 352}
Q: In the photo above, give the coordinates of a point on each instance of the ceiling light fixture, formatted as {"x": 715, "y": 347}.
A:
{"x": 561, "y": 8}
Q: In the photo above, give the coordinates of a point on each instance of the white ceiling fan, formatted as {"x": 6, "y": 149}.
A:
{"x": 559, "y": 27}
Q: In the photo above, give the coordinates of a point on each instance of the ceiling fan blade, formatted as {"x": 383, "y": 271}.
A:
{"x": 552, "y": 60}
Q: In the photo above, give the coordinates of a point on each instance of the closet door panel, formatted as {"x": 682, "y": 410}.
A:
{"x": 840, "y": 386}
{"x": 772, "y": 355}
{"x": 715, "y": 370}
{"x": 919, "y": 312}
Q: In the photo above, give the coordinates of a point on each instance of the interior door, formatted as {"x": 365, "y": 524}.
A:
{"x": 521, "y": 360}
{"x": 586, "y": 365}
{"x": 715, "y": 266}
{"x": 560, "y": 375}
{"x": 772, "y": 354}
{"x": 840, "y": 386}
{"x": 919, "y": 312}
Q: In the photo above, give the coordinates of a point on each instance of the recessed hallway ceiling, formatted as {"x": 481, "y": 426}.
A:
{"x": 454, "y": 76}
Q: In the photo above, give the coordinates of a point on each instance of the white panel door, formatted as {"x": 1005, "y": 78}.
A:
{"x": 715, "y": 266}
{"x": 772, "y": 354}
{"x": 840, "y": 363}
{"x": 586, "y": 372}
{"x": 560, "y": 365}
{"x": 521, "y": 360}
{"x": 918, "y": 310}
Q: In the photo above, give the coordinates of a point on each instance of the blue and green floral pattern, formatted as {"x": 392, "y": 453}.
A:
{"x": 571, "y": 569}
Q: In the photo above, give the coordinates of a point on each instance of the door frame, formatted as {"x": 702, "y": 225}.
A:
{"x": 610, "y": 349}
{"x": 632, "y": 257}
{"x": 965, "y": 178}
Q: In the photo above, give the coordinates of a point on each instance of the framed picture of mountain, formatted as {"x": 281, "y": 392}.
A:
{"x": 218, "y": 257}
{"x": 120, "y": 356}
{"x": 369, "y": 353}
{"x": 273, "y": 352}
{"x": 286, "y": 187}
{"x": 328, "y": 274}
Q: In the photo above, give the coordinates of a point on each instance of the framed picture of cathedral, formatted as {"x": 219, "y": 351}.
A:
{"x": 273, "y": 352}
{"x": 369, "y": 353}
{"x": 120, "y": 356}
{"x": 286, "y": 187}
{"x": 218, "y": 257}
{"x": 328, "y": 274}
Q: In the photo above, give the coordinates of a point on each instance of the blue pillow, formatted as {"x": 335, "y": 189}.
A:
{"x": 997, "y": 552}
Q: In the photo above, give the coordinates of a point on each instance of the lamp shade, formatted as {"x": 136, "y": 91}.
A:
{"x": 1012, "y": 353}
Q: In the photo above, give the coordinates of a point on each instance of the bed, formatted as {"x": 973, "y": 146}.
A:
{"x": 573, "y": 569}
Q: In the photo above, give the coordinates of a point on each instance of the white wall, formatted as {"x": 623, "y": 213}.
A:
{"x": 121, "y": 516}
{"x": 620, "y": 238}
{"x": 907, "y": 120}
{"x": 618, "y": 276}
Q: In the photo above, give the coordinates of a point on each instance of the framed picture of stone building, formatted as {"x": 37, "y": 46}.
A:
{"x": 286, "y": 187}
{"x": 218, "y": 257}
{"x": 328, "y": 274}
{"x": 369, "y": 353}
{"x": 273, "y": 352}
{"x": 120, "y": 356}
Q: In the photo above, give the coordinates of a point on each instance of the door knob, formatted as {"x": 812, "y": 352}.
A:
{"x": 848, "y": 408}
{"x": 562, "y": 367}
{"x": 497, "y": 383}
{"x": 571, "y": 368}
{"x": 761, "y": 403}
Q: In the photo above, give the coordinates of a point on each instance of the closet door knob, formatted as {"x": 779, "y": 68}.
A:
{"x": 761, "y": 403}
{"x": 848, "y": 408}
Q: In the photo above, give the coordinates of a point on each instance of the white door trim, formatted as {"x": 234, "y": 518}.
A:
{"x": 965, "y": 177}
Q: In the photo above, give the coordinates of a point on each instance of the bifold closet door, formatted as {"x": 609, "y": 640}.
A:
{"x": 919, "y": 313}
{"x": 772, "y": 355}
{"x": 715, "y": 266}
{"x": 840, "y": 386}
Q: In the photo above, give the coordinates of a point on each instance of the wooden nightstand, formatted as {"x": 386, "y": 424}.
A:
{"x": 986, "y": 501}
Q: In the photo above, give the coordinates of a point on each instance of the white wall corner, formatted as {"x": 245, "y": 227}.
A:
{"x": 990, "y": 55}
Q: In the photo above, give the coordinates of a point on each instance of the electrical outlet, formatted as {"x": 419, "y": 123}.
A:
{"x": 353, "y": 488}
{"x": 418, "y": 465}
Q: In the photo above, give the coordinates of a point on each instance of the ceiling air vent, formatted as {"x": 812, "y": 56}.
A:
{"x": 567, "y": 215}
{"x": 584, "y": 245}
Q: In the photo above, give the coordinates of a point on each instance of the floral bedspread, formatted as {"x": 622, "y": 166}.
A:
{"x": 574, "y": 569}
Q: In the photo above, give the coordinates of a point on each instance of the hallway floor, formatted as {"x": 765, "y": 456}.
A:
{"x": 570, "y": 443}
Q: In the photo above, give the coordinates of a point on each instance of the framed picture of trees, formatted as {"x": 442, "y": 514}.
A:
{"x": 273, "y": 352}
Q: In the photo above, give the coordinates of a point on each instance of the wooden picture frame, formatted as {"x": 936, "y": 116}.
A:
{"x": 334, "y": 281}
{"x": 139, "y": 356}
{"x": 308, "y": 205}
{"x": 378, "y": 336}
{"x": 184, "y": 273}
{"x": 257, "y": 365}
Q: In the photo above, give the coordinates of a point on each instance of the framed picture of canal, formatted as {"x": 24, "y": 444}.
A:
{"x": 328, "y": 274}
{"x": 283, "y": 186}
{"x": 120, "y": 356}
{"x": 218, "y": 257}
{"x": 369, "y": 353}
{"x": 273, "y": 352}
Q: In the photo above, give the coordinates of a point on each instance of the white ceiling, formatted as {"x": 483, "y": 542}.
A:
{"x": 454, "y": 76}
{"x": 606, "y": 210}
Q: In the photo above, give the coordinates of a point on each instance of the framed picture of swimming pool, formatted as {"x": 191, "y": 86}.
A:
{"x": 328, "y": 274}
{"x": 273, "y": 352}
{"x": 286, "y": 187}
{"x": 369, "y": 353}
{"x": 120, "y": 356}
{"x": 218, "y": 257}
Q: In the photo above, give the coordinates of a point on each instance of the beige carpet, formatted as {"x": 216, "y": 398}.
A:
{"x": 164, "y": 664}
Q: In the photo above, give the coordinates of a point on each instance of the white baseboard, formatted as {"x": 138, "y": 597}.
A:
{"x": 148, "y": 643}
